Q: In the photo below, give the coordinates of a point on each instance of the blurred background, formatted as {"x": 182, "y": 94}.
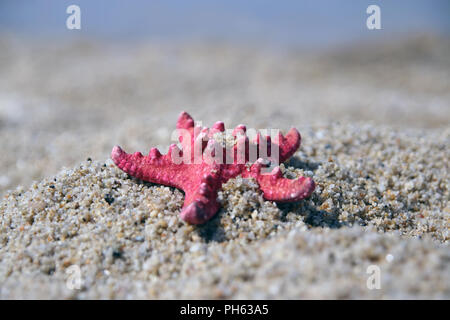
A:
{"x": 289, "y": 22}
{"x": 66, "y": 95}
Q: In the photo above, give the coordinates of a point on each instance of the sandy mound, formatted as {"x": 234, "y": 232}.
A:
{"x": 381, "y": 200}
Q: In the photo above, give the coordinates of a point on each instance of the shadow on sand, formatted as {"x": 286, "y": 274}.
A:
{"x": 314, "y": 218}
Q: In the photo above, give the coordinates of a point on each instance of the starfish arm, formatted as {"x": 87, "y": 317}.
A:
{"x": 289, "y": 144}
{"x": 277, "y": 188}
{"x": 154, "y": 168}
{"x": 200, "y": 203}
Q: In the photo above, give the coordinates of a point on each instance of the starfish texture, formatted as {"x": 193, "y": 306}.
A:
{"x": 201, "y": 177}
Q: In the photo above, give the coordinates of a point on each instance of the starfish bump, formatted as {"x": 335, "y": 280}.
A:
{"x": 203, "y": 164}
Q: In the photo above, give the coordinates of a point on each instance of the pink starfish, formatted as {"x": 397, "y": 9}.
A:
{"x": 201, "y": 179}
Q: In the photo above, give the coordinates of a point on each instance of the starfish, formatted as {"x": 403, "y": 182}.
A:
{"x": 204, "y": 163}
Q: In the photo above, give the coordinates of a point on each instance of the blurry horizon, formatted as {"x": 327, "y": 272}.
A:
{"x": 293, "y": 23}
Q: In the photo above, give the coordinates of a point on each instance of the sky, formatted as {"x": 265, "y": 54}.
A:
{"x": 293, "y": 22}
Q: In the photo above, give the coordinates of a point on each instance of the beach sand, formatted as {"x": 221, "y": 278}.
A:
{"x": 375, "y": 132}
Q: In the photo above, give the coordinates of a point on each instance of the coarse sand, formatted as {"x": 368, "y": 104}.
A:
{"x": 375, "y": 135}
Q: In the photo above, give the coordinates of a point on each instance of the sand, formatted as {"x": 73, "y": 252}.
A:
{"x": 374, "y": 121}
